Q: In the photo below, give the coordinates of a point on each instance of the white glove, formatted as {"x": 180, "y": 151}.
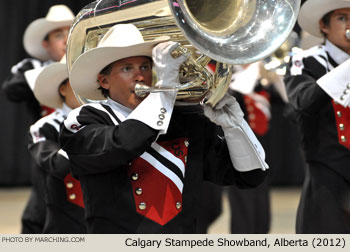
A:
{"x": 156, "y": 109}
{"x": 245, "y": 150}
{"x": 166, "y": 67}
{"x": 227, "y": 113}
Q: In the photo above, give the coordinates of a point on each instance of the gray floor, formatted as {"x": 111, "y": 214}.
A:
{"x": 284, "y": 202}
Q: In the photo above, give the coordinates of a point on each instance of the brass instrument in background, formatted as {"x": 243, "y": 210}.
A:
{"x": 227, "y": 31}
{"x": 274, "y": 66}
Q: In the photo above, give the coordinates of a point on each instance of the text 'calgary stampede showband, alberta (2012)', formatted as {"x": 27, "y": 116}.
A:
{"x": 224, "y": 242}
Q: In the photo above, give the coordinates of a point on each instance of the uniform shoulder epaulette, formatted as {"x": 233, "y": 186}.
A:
{"x": 318, "y": 50}
{"x": 298, "y": 60}
{"x": 54, "y": 119}
{"x": 33, "y": 63}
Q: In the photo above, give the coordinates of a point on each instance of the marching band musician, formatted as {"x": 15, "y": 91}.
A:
{"x": 141, "y": 161}
{"x": 63, "y": 196}
{"x": 45, "y": 40}
{"x": 250, "y": 209}
{"x": 318, "y": 87}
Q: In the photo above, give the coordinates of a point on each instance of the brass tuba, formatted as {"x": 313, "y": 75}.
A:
{"x": 226, "y": 31}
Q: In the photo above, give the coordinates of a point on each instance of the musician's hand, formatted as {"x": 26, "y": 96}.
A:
{"x": 245, "y": 150}
{"x": 227, "y": 113}
{"x": 166, "y": 67}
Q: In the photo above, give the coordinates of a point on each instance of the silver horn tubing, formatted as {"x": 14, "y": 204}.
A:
{"x": 142, "y": 90}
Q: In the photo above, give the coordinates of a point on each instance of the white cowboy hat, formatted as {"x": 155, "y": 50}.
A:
{"x": 121, "y": 41}
{"x": 57, "y": 16}
{"x": 47, "y": 84}
{"x": 312, "y": 11}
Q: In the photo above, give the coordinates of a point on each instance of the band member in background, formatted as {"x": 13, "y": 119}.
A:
{"x": 44, "y": 40}
{"x": 250, "y": 209}
{"x": 318, "y": 88}
{"x": 63, "y": 195}
{"x": 141, "y": 161}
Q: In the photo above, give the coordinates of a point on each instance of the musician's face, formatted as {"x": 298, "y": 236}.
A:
{"x": 339, "y": 22}
{"x": 55, "y": 45}
{"x": 69, "y": 98}
{"x": 124, "y": 75}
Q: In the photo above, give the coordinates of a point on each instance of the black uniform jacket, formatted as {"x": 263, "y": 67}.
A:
{"x": 17, "y": 89}
{"x": 325, "y": 125}
{"x": 63, "y": 196}
{"x": 158, "y": 192}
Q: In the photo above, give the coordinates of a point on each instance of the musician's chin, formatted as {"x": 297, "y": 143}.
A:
{"x": 137, "y": 100}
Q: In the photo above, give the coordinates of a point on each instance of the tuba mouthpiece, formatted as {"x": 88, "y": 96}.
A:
{"x": 142, "y": 90}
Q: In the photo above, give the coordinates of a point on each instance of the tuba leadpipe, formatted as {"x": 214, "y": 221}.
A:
{"x": 142, "y": 90}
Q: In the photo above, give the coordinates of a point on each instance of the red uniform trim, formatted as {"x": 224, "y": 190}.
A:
{"x": 156, "y": 196}
{"x": 342, "y": 118}
{"x": 257, "y": 119}
{"x": 44, "y": 110}
{"x": 73, "y": 190}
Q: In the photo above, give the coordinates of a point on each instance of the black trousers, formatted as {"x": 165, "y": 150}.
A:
{"x": 210, "y": 205}
{"x": 325, "y": 202}
{"x": 33, "y": 217}
{"x": 250, "y": 209}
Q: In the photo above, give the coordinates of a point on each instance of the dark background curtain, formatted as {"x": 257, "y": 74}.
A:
{"x": 15, "y": 15}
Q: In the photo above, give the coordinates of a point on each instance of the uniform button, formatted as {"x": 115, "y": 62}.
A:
{"x": 72, "y": 196}
{"x": 339, "y": 114}
{"x": 69, "y": 185}
{"x": 135, "y": 176}
{"x": 163, "y": 110}
{"x": 185, "y": 159}
{"x": 341, "y": 126}
{"x": 138, "y": 191}
{"x": 342, "y": 97}
{"x": 142, "y": 206}
{"x": 161, "y": 117}
{"x": 348, "y": 86}
{"x": 159, "y": 123}
{"x": 251, "y": 116}
{"x": 178, "y": 205}
{"x": 347, "y": 91}
{"x": 186, "y": 143}
{"x": 343, "y": 139}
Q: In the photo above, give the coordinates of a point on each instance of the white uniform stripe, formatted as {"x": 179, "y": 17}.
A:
{"x": 321, "y": 60}
{"x": 169, "y": 156}
{"x": 161, "y": 168}
{"x": 63, "y": 153}
{"x": 109, "y": 114}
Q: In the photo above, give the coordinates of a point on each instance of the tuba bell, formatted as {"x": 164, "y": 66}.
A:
{"x": 224, "y": 31}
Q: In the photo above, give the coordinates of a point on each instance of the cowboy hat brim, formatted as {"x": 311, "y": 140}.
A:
{"x": 83, "y": 76}
{"x": 35, "y": 34}
{"x": 47, "y": 84}
{"x": 312, "y": 11}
